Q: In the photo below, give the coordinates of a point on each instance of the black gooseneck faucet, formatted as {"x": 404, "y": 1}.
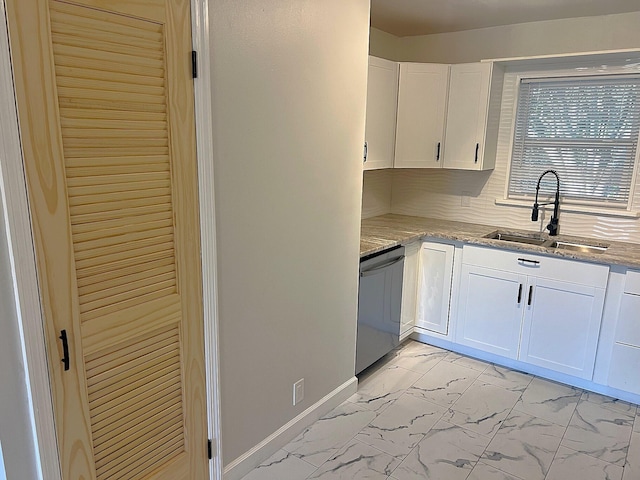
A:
{"x": 553, "y": 224}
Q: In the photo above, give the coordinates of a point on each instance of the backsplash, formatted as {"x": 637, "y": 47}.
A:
{"x": 440, "y": 193}
{"x": 376, "y": 192}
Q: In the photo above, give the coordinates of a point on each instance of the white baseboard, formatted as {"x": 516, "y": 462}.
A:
{"x": 242, "y": 465}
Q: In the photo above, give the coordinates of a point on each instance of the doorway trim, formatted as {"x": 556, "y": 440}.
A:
{"x": 204, "y": 142}
{"x": 14, "y": 201}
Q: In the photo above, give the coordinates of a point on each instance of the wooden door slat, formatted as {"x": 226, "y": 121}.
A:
{"x": 116, "y": 243}
{"x": 114, "y": 37}
{"x": 63, "y": 13}
{"x": 115, "y": 226}
{"x": 83, "y": 84}
{"x": 110, "y": 253}
{"x": 115, "y": 151}
{"x": 145, "y": 431}
{"x": 100, "y": 230}
{"x": 111, "y": 199}
{"x": 144, "y": 414}
{"x": 102, "y": 65}
{"x": 92, "y": 283}
{"x": 67, "y": 114}
{"x": 158, "y": 451}
{"x": 123, "y": 123}
{"x": 160, "y": 393}
{"x": 133, "y": 400}
{"x": 115, "y": 180}
{"x": 152, "y": 50}
{"x": 75, "y": 56}
{"x": 139, "y": 376}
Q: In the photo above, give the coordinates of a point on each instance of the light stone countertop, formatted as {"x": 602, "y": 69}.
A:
{"x": 386, "y": 231}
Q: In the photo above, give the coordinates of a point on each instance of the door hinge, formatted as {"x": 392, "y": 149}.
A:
{"x": 194, "y": 64}
{"x": 210, "y": 448}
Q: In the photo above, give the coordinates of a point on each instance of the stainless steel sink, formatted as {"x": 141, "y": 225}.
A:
{"x": 538, "y": 240}
{"x": 515, "y": 238}
{"x": 578, "y": 247}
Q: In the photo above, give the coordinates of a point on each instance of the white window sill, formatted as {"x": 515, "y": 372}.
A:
{"x": 568, "y": 207}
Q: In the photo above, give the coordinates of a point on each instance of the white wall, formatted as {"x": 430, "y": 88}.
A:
{"x": 289, "y": 92}
{"x": 437, "y": 193}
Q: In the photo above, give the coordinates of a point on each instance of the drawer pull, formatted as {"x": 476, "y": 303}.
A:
{"x": 477, "y": 148}
{"x": 438, "y": 153}
{"x": 65, "y": 349}
{"x": 520, "y": 294}
{"x": 530, "y": 295}
{"x": 526, "y": 260}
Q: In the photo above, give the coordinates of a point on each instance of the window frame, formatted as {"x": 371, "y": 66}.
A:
{"x": 583, "y": 206}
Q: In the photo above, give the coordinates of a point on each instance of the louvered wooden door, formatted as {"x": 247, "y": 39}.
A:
{"x": 105, "y": 102}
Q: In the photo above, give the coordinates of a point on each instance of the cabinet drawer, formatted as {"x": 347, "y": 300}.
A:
{"x": 628, "y": 330}
{"x": 523, "y": 263}
{"x": 623, "y": 372}
{"x": 632, "y": 285}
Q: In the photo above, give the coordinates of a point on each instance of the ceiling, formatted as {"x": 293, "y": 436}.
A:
{"x": 423, "y": 17}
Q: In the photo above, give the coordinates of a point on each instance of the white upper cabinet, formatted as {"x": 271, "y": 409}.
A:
{"x": 473, "y": 115}
{"x": 428, "y": 115}
{"x": 422, "y": 106}
{"x": 382, "y": 101}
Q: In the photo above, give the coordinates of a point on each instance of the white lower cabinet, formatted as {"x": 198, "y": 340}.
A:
{"x": 510, "y": 310}
{"x": 561, "y": 326}
{"x": 625, "y": 357}
{"x": 409, "y": 289}
{"x": 489, "y": 307}
{"x": 625, "y": 363}
{"x": 434, "y": 286}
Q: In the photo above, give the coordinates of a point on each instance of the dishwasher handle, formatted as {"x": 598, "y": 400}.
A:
{"x": 372, "y": 271}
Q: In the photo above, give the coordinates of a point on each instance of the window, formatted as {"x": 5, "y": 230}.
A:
{"x": 585, "y": 128}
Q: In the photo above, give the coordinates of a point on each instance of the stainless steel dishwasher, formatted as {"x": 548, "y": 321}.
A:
{"x": 379, "y": 299}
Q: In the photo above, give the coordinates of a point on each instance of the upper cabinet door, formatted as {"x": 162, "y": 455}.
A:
{"x": 466, "y": 115}
{"x": 473, "y": 116}
{"x": 382, "y": 100}
{"x": 422, "y": 101}
{"x": 106, "y": 110}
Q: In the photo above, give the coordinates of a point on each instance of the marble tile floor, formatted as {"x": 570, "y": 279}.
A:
{"x": 424, "y": 412}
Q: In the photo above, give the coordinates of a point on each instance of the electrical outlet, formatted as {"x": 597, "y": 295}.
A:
{"x": 298, "y": 391}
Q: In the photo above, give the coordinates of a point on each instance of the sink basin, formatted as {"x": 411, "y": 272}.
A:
{"x": 537, "y": 240}
{"x": 510, "y": 237}
{"x": 578, "y": 247}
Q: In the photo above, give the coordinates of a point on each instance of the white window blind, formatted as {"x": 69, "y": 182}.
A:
{"x": 585, "y": 128}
